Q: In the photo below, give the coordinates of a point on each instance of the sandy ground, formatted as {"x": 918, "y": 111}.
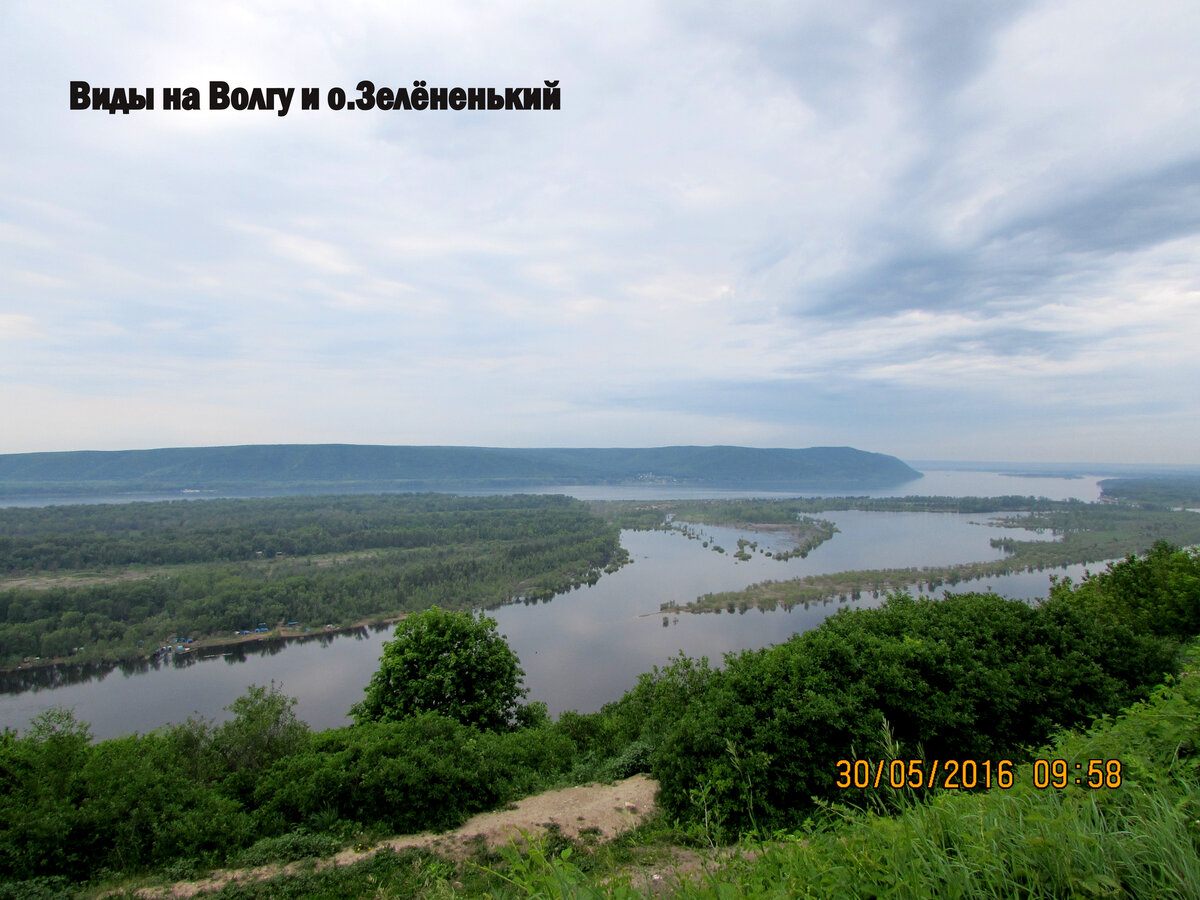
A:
{"x": 611, "y": 808}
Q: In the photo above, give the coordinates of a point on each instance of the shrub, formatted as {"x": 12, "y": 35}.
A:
{"x": 971, "y": 676}
{"x": 448, "y": 663}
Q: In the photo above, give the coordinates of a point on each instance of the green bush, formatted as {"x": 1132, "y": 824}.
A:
{"x": 425, "y": 772}
{"x": 450, "y": 663}
{"x": 287, "y": 847}
{"x": 1138, "y": 840}
{"x": 73, "y": 807}
{"x": 53, "y": 887}
{"x": 971, "y": 676}
{"x": 633, "y": 760}
{"x": 1158, "y": 593}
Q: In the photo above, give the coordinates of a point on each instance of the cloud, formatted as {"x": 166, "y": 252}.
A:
{"x": 861, "y": 224}
{"x": 15, "y": 327}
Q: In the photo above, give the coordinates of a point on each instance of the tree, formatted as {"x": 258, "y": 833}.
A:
{"x": 445, "y": 662}
{"x": 263, "y": 729}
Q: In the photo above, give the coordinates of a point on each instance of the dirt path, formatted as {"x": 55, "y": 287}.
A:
{"x": 611, "y": 808}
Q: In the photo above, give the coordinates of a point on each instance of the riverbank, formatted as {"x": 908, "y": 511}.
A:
{"x": 195, "y": 647}
{"x": 1082, "y": 534}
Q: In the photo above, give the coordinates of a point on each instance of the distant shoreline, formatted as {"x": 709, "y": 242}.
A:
{"x": 258, "y": 470}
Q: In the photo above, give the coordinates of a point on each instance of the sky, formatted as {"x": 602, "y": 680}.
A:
{"x": 931, "y": 229}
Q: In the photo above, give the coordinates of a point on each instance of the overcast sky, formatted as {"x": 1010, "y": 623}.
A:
{"x": 960, "y": 230}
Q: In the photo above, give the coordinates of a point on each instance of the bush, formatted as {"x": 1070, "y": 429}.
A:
{"x": 287, "y": 847}
{"x": 53, "y": 887}
{"x": 971, "y": 676}
{"x": 633, "y": 760}
{"x": 425, "y": 772}
{"x": 1158, "y": 593}
{"x": 448, "y": 663}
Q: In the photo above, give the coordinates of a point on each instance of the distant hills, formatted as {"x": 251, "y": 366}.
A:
{"x": 306, "y": 468}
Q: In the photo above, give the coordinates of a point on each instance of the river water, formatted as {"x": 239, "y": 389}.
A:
{"x": 586, "y": 647}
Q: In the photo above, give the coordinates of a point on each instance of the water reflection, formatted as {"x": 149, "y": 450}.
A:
{"x": 40, "y": 678}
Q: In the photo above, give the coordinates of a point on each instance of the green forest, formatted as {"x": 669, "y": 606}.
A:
{"x": 257, "y": 470}
{"x": 1161, "y": 493}
{"x": 117, "y": 582}
{"x": 745, "y": 753}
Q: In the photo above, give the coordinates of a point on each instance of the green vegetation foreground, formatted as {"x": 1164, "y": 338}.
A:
{"x": 752, "y": 748}
{"x": 1029, "y": 840}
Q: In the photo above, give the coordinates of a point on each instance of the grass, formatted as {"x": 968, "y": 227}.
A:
{"x": 1139, "y": 840}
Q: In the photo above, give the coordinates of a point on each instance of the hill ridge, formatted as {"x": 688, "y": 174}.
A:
{"x": 417, "y": 467}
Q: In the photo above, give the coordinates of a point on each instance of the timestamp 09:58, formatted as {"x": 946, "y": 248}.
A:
{"x": 969, "y": 774}
{"x": 1092, "y": 773}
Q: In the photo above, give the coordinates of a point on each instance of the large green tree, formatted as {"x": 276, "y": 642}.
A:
{"x": 450, "y": 663}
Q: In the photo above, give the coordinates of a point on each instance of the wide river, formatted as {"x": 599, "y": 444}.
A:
{"x": 586, "y": 647}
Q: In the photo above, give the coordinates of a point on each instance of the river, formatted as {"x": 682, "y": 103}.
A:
{"x": 586, "y": 647}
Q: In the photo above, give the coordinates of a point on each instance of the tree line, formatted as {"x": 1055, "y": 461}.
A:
{"x": 403, "y": 553}
{"x": 68, "y": 538}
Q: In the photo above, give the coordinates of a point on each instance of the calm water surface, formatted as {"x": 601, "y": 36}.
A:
{"x": 586, "y": 647}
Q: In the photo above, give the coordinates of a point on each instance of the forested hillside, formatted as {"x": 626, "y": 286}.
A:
{"x": 341, "y": 468}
